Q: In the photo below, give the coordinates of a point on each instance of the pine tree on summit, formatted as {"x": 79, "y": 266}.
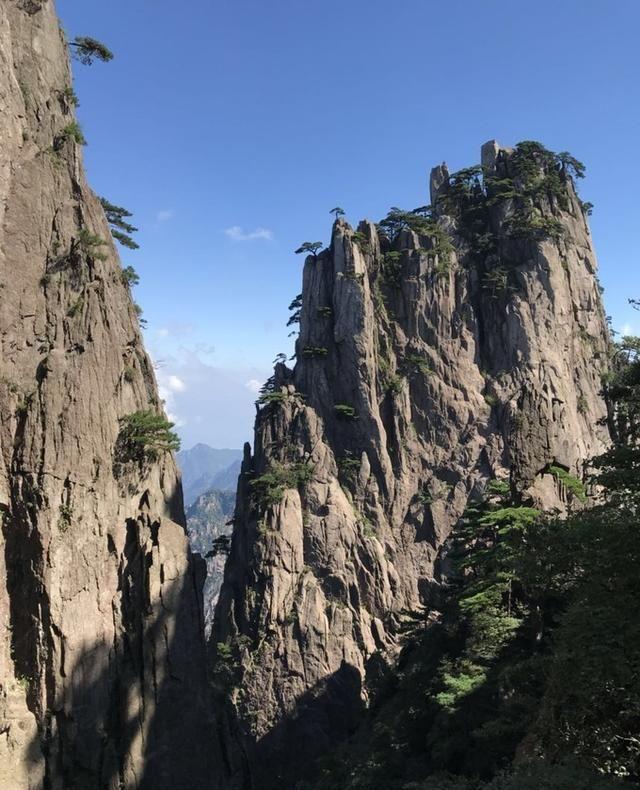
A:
{"x": 310, "y": 247}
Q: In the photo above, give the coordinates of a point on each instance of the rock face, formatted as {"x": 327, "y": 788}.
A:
{"x": 101, "y": 651}
{"x": 463, "y": 345}
{"x": 208, "y": 520}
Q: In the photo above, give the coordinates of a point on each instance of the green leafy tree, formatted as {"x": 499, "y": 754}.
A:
{"x": 86, "y": 50}
{"x": 72, "y": 131}
{"x": 337, "y": 212}
{"x": 130, "y": 276}
{"x": 120, "y": 228}
{"x": 145, "y": 435}
{"x": 296, "y": 310}
{"x": 310, "y": 248}
{"x": 570, "y": 165}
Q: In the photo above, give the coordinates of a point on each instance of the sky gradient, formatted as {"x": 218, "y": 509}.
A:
{"x": 231, "y": 128}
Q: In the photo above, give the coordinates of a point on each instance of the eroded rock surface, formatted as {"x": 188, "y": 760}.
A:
{"x": 427, "y": 364}
{"x": 101, "y": 652}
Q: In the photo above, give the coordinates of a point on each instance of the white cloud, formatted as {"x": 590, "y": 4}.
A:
{"x": 162, "y": 332}
{"x": 237, "y": 234}
{"x": 176, "y": 384}
{"x": 208, "y": 402}
{"x": 164, "y": 215}
{"x": 627, "y": 329}
{"x": 253, "y": 385}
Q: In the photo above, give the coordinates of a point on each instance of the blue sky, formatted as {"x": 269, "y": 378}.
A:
{"x": 231, "y": 127}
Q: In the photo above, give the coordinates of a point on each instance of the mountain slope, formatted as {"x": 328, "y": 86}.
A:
{"x": 441, "y": 349}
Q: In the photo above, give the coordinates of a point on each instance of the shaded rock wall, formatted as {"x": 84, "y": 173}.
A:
{"x": 421, "y": 373}
{"x": 102, "y": 681}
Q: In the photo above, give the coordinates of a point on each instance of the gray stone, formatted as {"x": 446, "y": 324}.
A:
{"x": 452, "y": 385}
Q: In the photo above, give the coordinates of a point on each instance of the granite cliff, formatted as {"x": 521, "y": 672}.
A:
{"x": 101, "y": 645}
{"x": 439, "y": 349}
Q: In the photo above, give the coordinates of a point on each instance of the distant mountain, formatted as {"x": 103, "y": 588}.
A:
{"x": 227, "y": 480}
{"x": 207, "y": 519}
{"x": 205, "y": 468}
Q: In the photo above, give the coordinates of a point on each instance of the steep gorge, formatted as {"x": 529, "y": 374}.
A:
{"x": 101, "y": 645}
{"x": 438, "y": 350}
{"x": 441, "y": 349}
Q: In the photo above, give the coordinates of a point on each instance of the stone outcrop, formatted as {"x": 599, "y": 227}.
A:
{"x": 429, "y": 361}
{"x": 102, "y": 681}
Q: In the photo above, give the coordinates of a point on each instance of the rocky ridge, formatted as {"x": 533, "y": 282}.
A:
{"x": 101, "y": 647}
{"x": 445, "y": 347}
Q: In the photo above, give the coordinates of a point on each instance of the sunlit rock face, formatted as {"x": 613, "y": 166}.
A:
{"x": 428, "y": 362}
{"x": 102, "y": 680}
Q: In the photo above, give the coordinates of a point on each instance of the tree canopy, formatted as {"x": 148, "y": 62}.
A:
{"x": 87, "y": 49}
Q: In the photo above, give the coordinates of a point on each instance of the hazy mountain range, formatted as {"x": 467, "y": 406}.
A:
{"x": 205, "y": 468}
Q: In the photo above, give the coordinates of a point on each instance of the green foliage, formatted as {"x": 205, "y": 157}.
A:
{"x": 270, "y": 487}
{"x": 392, "y": 267}
{"x": 76, "y": 307}
{"x": 344, "y": 411}
{"x": 125, "y": 240}
{"x": 569, "y": 774}
{"x": 145, "y": 435}
{"x": 129, "y": 276}
{"x": 394, "y": 384}
{"x": 121, "y": 230}
{"x": 538, "y": 646}
{"x": 587, "y": 207}
{"x": 418, "y": 363}
{"x": 139, "y": 313}
{"x": 296, "y": 308}
{"x": 68, "y": 96}
{"x": 310, "y": 248}
{"x": 421, "y": 222}
{"x": 348, "y": 466}
{"x": 219, "y": 545}
{"x": 538, "y": 181}
{"x": 360, "y": 239}
{"x": 89, "y": 243}
{"x": 527, "y": 224}
{"x": 325, "y": 312}
{"x": 65, "y": 516}
{"x": 86, "y": 50}
{"x": 72, "y": 131}
{"x": 337, "y": 212}
{"x": 277, "y": 396}
{"x": 569, "y": 164}
{"x": 311, "y": 352}
{"x": 129, "y": 374}
{"x": 496, "y": 281}
{"x": 574, "y": 486}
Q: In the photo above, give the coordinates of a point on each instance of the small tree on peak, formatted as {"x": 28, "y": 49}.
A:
{"x": 88, "y": 49}
{"x": 310, "y": 248}
{"x": 337, "y": 212}
{"x": 569, "y": 164}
